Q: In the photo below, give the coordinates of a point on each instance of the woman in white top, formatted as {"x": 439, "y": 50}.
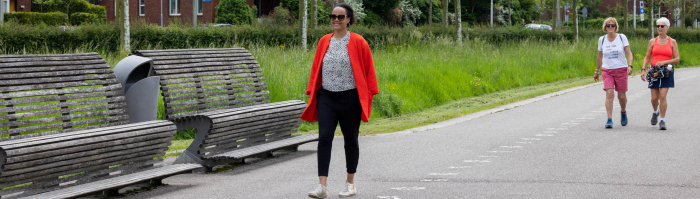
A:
{"x": 612, "y": 49}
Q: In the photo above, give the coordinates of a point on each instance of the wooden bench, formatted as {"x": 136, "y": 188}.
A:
{"x": 64, "y": 131}
{"x": 223, "y": 94}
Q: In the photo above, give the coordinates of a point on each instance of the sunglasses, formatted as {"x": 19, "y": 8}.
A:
{"x": 610, "y": 25}
{"x": 339, "y": 17}
{"x": 660, "y": 26}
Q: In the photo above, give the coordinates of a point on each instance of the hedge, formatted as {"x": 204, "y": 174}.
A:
{"x": 35, "y": 18}
{"x": 104, "y": 37}
{"x": 80, "y": 18}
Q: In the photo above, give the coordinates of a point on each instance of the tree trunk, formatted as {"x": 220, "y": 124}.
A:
{"x": 314, "y": 16}
{"x": 510, "y": 13}
{"x": 123, "y": 20}
{"x": 430, "y": 12}
{"x": 303, "y": 19}
{"x": 444, "y": 13}
{"x": 651, "y": 18}
{"x": 627, "y": 8}
{"x": 558, "y": 15}
{"x": 458, "y": 20}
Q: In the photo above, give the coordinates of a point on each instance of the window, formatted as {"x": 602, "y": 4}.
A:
{"x": 199, "y": 7}
{"x": 6, "y": 5}
{"x": 174, "y": 7}
{"x": 142, "y": 7}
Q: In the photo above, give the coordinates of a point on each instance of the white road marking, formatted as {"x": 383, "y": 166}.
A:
{"x": 523, "y": 142}
{"x": 459, "y": 167}
{"x": 434, "y": 180}
{"x": 499, "y": 151}
{"x": 544, "y": 135}
{"x": 388, "y": 197}
{"x": 531, "y": 138}
{"x": 480, "y": 161}
{"x": 408, "y": 188}
{"x": 443, "y": 174}
{"x": 511, "y": 147}
{"x": 488, "y": 156}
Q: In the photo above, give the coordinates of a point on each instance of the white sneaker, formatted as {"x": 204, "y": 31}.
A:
{"x": 319, "y": 192}
{"x": 348, "y": 191}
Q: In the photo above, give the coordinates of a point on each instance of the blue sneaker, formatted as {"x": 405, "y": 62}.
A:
{"x": 624, "y": 119}
{"x": 609, "y": 124}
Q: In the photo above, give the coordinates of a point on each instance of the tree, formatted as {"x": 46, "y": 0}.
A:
{"x": 576, "y": 17}
{"x": 234, "y": 12}
{"x": 303, "y": 23}
{"x": 627, "y": 8}
{"x": 314, "y": 15}
{"x": 458, "y": 19}
{"x": 382, "y": 8}
{"x": 444, "y": 13}
{"x": 430, "y": 12}
{"x": 123, "y": 21}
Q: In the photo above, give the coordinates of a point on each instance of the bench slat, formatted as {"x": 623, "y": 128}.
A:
{"x": 200, "y": 74}
{"x": 118, "y": 105}
{"x": 101, "y": 147}
{"x": 59, "y": 98}
{"x": 62, "y": 58}
{"x": 48, "y": 55}
{"x": 207, "y": 105}
{"x": 168, "y": 99}
{"x": 214, "y": 99}
{"x": 58, "y": 85}
{"x": 62, "y": 118}
{"x": 199, "y": 64}
{"x": 231, "y": 132}
{"x": 205, "y": 68}
{"x": 63, "y": 125}
{"x": 60, "y": 104}
{"x": 232, "y": 60}
{"x": 243, "y": 121}
{"x": 237, "y": 154}
{"x": 210, "y": 78}
{"x": 117, "y": 182}
{"x": 191, "y": 52}
{"x": 245, "y": 55}
{"x": 214, "y": 88}
{"x": 232, "y": 111}
{"x": 61, "y": 91}
{"x": 192, "y": 85}
{"x": 52, "y": 63}
{"x": 178, "y": 115}
{"x": 52, "y": 79}
{"x": 52, "y": 68}
{"x": 58, "y": 74}
{"x": 186, "y": 50}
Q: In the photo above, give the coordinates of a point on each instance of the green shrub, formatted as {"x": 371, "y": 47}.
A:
{"x": 234, "y": 12}
{"x": 35, "y": 18}
{"x": 371, "y": 19}
{"x": 80, "y": 18}
{"x": 69, "y": 7}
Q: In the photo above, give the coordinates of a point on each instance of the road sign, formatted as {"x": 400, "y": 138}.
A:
{"x": 568, "y": 10}
{"x": 641, "y": 10}
{"x": 585, "y": 12}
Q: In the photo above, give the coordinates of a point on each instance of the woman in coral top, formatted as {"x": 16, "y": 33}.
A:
{"x": 663, "y": 51}
{"x": 341, "y": 87}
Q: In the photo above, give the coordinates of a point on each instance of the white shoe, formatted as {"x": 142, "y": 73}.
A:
{"x": 319, "y": 192}
{"x": 348, "y": 191}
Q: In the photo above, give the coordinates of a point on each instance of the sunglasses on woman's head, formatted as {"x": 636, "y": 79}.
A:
{"x": 660, "y": 26}
{"x": 339, "y": 17}
{"x": 610, "y": 25}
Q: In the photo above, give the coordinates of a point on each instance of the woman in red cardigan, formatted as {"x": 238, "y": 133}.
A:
{"x": 341, "y": 87}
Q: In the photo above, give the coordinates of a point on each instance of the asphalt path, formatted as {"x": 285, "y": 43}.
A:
{"x": 556, "y": 147}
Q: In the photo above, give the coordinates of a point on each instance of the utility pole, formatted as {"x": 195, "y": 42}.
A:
{"x": 491, "y": 13}
{"x": 635, "y": 14}
{"x": 576, "y": 17}
{"x": 194, "y": 13}
{"x": 123, "y": 18}
{"x": 2, "y": 13}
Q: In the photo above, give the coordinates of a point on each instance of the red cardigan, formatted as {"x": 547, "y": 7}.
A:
{"x": 362, "y": 69}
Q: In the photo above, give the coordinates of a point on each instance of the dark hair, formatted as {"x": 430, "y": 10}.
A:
{"x": 350, "y": 12}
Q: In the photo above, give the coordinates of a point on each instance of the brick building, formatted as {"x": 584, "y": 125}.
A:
{"x": 17, "y": 5}
{"x": 150, "y": 10}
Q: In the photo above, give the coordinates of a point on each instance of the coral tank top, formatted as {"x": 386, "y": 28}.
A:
{"x": 661, "y": 52}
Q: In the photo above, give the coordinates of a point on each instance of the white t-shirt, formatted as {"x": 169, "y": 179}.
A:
{"x": 613, "y": 52}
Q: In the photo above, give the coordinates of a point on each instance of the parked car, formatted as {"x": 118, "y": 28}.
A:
{"x": 538, "y": 26}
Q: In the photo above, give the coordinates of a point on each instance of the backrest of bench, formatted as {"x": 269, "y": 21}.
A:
{"x": 202, "y": 80}
{"x": 49, "y": 94}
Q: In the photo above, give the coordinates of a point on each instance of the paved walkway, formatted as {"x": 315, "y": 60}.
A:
{"x": 553, "y": 148}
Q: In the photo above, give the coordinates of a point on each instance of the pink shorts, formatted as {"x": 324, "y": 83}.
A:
{"x": 615, "y": 78}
